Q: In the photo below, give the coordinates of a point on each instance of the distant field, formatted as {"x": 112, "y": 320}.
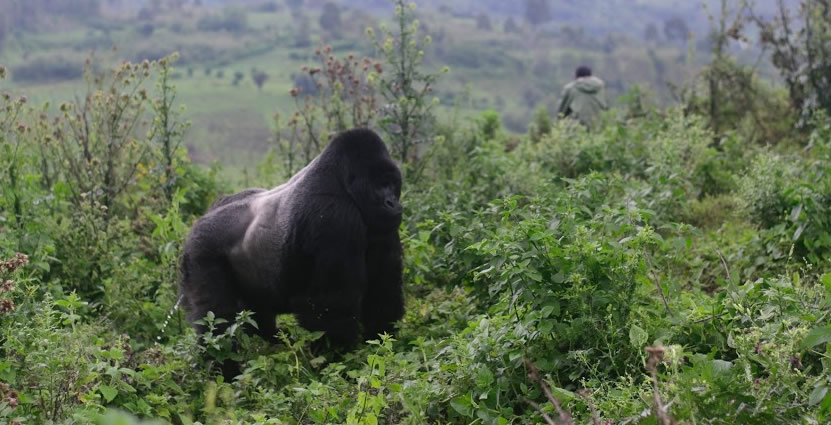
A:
{"x": 513, "y": 73}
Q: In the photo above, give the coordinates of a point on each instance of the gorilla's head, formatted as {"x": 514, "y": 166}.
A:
{"x": 370, "y": 177}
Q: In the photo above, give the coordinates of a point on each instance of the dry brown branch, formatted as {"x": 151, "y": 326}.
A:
{"x": 724, "y": 263}
{"x": 656, "y": 356}
{"x": 534, "y": 375}
{"x": 537, "y": 406}
{"x": 587, "y": 396}
{"x": 657, "y": 283}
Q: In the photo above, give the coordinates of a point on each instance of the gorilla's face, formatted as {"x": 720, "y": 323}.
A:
{"x": 376, "y": 188}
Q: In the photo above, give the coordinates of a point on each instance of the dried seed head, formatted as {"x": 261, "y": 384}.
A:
{"x": 6, "y": 305}
{"x": 7, "y": 286}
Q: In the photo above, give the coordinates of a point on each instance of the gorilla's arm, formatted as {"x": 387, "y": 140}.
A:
{"x": 384, "y": 301}
{"x": 332, "y": 300}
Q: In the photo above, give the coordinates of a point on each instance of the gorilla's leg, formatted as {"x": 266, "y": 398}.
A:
{"x": 265, "y": 317}
{"x": 383, "y": 302}
{"x": 207, "y": 285}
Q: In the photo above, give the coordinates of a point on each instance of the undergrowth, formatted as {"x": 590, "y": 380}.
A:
{"x": 641, "y": 273}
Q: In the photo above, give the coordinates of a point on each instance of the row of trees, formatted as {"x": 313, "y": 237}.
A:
{"x": 799, "y": 44}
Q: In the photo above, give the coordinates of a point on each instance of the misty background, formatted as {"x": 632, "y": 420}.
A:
{"x": 239, "y": 60}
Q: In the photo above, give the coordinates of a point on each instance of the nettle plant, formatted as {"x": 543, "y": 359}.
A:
{"x": 331, "y": 96}
{"x": 407, "y": 115}
{"x": 340, "y": 93}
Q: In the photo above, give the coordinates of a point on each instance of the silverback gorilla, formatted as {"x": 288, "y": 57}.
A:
{"x": 323, "y": 246}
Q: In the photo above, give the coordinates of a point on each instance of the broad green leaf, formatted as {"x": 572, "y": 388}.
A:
{"x": 817, "y": 395}
{"x": 637, "y": 336}
{"x": 563, "y": 395}
{"x": 799, "y": 230}
{"x": 795, "y": 212}
{"x": 721, "y": 366}
{"x": 826, "y": 281}
{"x": 484, "y": 378}
{"x": 463, "y": 405}
{"x": 825, "y": 407}
{"x": 108, "y": 392}
{"x": 816, "y": 337}
{"x": 545, "y": 326}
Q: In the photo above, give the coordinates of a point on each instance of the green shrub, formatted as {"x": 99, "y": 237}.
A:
{"x": 789, "y": 197}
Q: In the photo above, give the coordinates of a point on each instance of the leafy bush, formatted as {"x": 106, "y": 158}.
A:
{"x": 790, "y": 197}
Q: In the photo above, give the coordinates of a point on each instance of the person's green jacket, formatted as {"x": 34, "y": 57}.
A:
{"x": 583, "y": 99}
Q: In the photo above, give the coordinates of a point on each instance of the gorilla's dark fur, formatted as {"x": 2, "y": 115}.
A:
{"x": 323, "y": 246}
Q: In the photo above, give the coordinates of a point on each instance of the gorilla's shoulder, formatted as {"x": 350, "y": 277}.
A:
{"x": 239, "y": 196}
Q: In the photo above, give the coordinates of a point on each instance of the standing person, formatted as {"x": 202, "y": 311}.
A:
{"x": 584, "y": 98}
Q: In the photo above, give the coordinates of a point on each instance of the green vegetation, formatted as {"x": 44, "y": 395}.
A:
{"x": 669, "y": 266}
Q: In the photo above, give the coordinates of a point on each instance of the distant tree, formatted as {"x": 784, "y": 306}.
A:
{"x": 146, "y": 14}
{"x": 259, "y": 78}
{"x": 651, "y": 33}
{"x": 146, "y": 30}
{"x": 238, "y": 76}
{"x": 47, "y": 69}
{"x": 531, "y": 96}
{"x": 305, "y": 83}
{"x": 537, "y": 12}
{"x": 330, "y": 18}
{"x": 483, "y": 22}
{"x": 800, "y": 45}
{"x": 511, "y": 26}
{"x": 220, "y": 74}
{"x": 2, "y": 33}
{"x": 294, "y": 4}
{"x": 574, "y": 35}
{"x": 660, "y": 66}
{"x": 232, "y": 19}
{"x": 611, "y": 42}
{"x": 269, "y": 7}
{"x": 544, "y": 68}
{"x": 302, "y": 35}
{"x": 675, "y": 29}
{"x": 236, "y": 19}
